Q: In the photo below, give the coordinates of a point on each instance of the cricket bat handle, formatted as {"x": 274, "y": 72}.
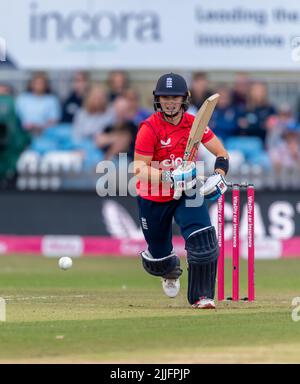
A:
{"x": 177, "y": 194}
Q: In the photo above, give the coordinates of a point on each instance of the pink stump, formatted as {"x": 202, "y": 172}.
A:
{"x": 221, "y": 282}
{"x": 251, "y": 256}
{"x": 235, "y": 241}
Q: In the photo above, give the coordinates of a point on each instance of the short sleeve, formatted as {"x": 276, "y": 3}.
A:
{"x": 145, "y": 141}
{"x": 54, "y": 109}
{"x": 207, "y": 136}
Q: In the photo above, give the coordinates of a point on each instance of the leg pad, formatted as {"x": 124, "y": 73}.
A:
{"x": 168, "y": 267}
{"x": 202, "y": 256}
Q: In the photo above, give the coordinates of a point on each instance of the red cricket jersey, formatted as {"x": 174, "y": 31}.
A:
{"x": 166, "y": 144}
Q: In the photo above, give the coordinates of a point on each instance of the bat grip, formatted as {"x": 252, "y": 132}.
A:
{"x": 177, "y": 195}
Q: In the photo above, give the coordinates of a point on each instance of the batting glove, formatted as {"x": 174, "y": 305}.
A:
{"x": 182, "y": 179}
{"x": 214, "y": 187}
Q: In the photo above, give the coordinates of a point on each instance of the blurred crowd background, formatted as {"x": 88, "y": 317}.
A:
{"x": 51, "y": 139}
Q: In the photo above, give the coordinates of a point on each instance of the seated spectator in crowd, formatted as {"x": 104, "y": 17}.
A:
{"x": 13, "y": 139}
{"x": 258, "y": 110}
{"x": 278, "y": 124}
{"x": 135, "y": 110}
{"x": 120, "y": 136}
{"x": 199, "y": 91}
{"x": 38, "y": 108}
{"x": 224, "y": 121}
{"x": 240, "y": 89}
{"x": 7, "y": 115}
{"x": 74, "y": 101}
{"x": 285, "y": 156}
{"x": 118, "y": 83}
{"x": 6, "y": 89}
{"x": 95, "y": 115}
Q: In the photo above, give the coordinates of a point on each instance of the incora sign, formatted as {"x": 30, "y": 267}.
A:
{"x": 101, "y": 25}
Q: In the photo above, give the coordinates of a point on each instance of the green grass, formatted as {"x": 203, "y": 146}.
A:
{"x": 110, "y": 310}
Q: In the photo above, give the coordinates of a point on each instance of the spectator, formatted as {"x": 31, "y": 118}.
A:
{"x": 199, "y": 91}
{"x": 7, "y": 115}
{"x": 286, "y": 155}
{"x": 258, "y": 110}
{"x": 6, "y": 89}
{"x": 225, "y": 118}
{"x": 120, "y": 136}
{"x": 95, "y": 115}
{"x": 118, "y": 83}
{"x": 240, "y": 89}
{"x": 13, "y": 139}
{"x": 38, "y": 108}
{"x": 278, "y": 124}
{"x": 135, "y": 110}
{"x": 74, "y": 101}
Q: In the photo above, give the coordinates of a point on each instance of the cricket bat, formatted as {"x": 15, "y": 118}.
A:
{"x": 197, "y": 131}
{"x": 198, "y": 128}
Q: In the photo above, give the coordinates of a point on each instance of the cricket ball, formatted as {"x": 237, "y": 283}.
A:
{"x": 65, "y": 263}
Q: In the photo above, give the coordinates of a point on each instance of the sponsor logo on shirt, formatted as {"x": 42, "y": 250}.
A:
{"x": 166, "y": 143}
{"x": 173, "y": 162}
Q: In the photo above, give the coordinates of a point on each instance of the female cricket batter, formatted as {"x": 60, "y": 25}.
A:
{"x": 159, "y": 151}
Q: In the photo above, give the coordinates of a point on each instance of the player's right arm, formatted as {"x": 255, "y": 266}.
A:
{"x": 143, "y": 169}
{"x": 143, "y": 156}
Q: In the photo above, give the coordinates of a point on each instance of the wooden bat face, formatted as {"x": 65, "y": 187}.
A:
{"x": 198, "y": 128}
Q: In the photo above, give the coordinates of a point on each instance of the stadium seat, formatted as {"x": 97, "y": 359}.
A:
{"x": 43, "y": 145}
{"x": 251, "y": 148}
{"x": 62, "y": 135}
{"x": 56, "y": 138}
{"x": 236, "y": 159}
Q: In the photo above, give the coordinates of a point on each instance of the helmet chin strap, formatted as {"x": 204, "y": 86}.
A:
{"x": 172, "y": 115}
